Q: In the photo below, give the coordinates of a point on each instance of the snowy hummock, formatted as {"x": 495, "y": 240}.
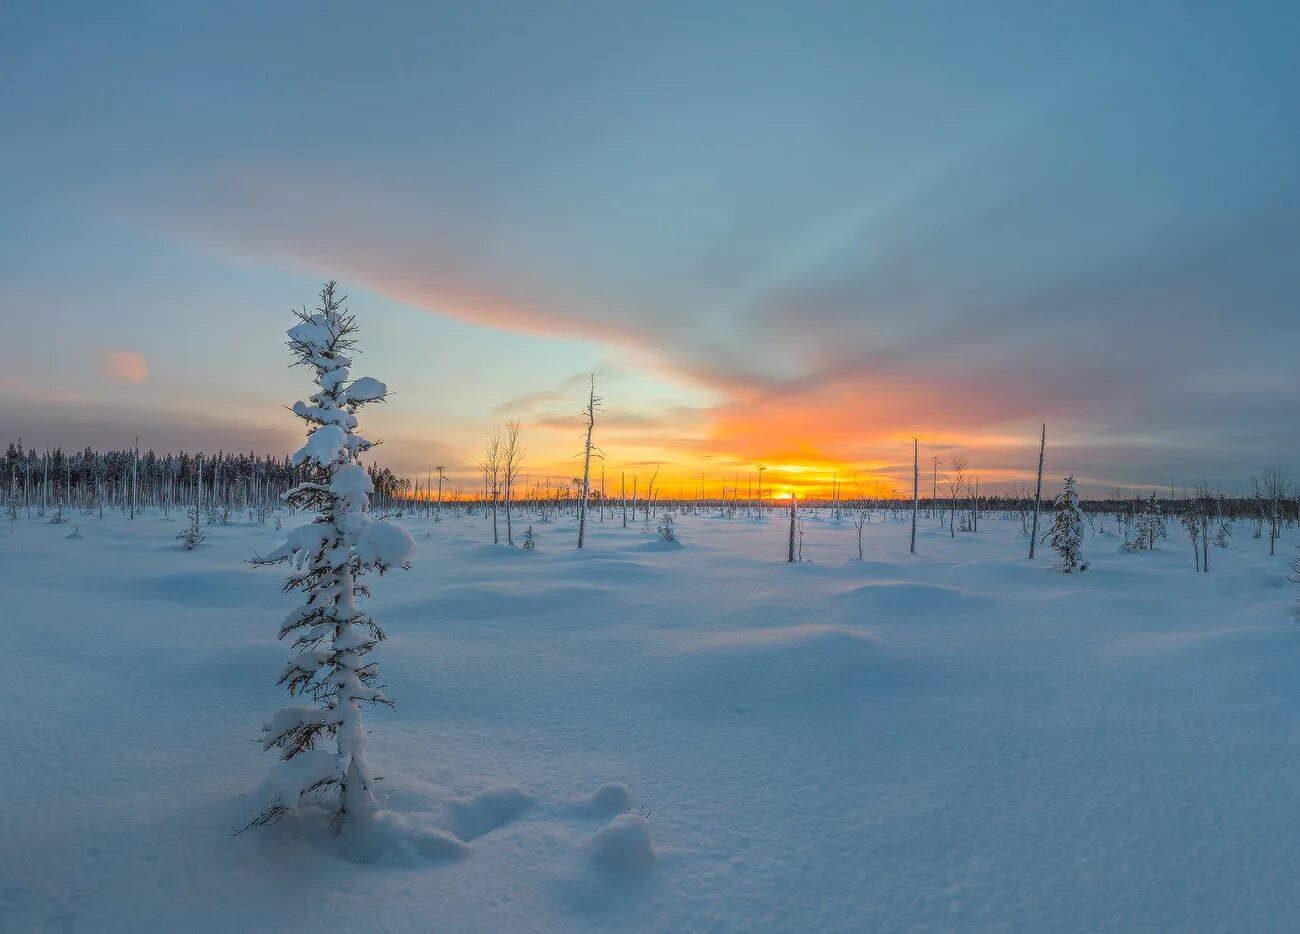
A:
{"x": 956, "y": 740}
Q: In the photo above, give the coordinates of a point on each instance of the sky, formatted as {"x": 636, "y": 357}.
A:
{"x": 788, "y": 234}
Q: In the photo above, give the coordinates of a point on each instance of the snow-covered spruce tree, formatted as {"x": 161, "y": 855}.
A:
{"x": 1066, "y": 534}
{"x": 1149, "y": 526}
{"x": 668, "y": 528}
{"x": 530, "y": 540}
{"x": 331, "y": 634}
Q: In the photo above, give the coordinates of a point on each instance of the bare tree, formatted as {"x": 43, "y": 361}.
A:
{"x": 593, "y": 403}
{"x": 1274, "y": 486}
{"x": 649, "y": 494}
{"x": 956, "y": 484}
{"x": 490, "y": 465}
{"x": 861, "y": 513}
{"x": 1038, "y": 492}
{"x": 793, "y": 499}
{"x": 916, "y": 485}
{"x": 512, "y": 458}
{"x": 934, "y": 486}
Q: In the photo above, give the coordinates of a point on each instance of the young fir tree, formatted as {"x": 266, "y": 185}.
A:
{"x": 1149, "y": 526}
{"x": 1066, "y": 534}
{"x": 668, "y": 528}
{"x": 331, "y": 634}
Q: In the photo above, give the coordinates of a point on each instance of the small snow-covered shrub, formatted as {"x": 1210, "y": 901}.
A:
{"x": 668, "y": 528}
{"x": 191, "y": 536}
{"x": 623, "y": 846}
{"x": 1149, "y": 526}
{"x": 530, "y": 540}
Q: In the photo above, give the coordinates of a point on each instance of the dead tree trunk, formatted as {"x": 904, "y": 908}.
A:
{"x": 1038, "y": 491}
{"x": 790, "y": 558}
{"x": 586, "y": 462}
{"x": 916, "y": 488}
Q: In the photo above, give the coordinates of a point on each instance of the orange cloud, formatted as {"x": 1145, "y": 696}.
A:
{"x": 124, "y": 366}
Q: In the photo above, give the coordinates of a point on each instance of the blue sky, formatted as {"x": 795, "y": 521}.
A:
{"x": 789, "y": 233}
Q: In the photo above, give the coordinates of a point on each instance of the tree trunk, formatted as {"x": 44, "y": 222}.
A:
{"x": 916, "y": 488}
{"x": 1038, "y": 491}
{"x": 586, "y": 463}
{"x": 790, "y": 558}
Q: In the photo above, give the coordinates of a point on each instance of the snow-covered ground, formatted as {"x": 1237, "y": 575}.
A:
{"x": 955, "y": 740}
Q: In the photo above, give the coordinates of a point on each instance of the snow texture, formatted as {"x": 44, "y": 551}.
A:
{"x": 623, "y": 845}
{"x": 956, "y": 740}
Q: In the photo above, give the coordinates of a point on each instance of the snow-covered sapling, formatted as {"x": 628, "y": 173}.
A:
{"x": 668, "y": 527}
{"x": 192, "y": 536}
{"x": 332, "y": 636}
{"x": 530, "y": 540}
{"x": 1066, "y": 534}
{"x": 1149, "y": 526}
{"x": 11, "y": 502}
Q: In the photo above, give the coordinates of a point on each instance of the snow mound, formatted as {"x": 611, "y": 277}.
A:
{"x": 1212, "y": 647}
{"x": 390, "y": 838}
{"x": 660, "y": 544}
{"x": 912, "y": 598}
{"x": 801, "y": 670}
{"x": 610, "y": 798}
{"x": 501, "y": 550}
{"x": 211, "y": 588}
{"x": 623, "y": 846}
{"x": 75, "y": 533}
{"x": 777, "y": 636}
{"x": 486, "y": 811}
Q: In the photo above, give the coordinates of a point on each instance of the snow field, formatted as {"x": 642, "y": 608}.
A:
{"x": 634, "y": 738}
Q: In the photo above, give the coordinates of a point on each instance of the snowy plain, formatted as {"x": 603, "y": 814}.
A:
{"x": 957, "y": 740}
